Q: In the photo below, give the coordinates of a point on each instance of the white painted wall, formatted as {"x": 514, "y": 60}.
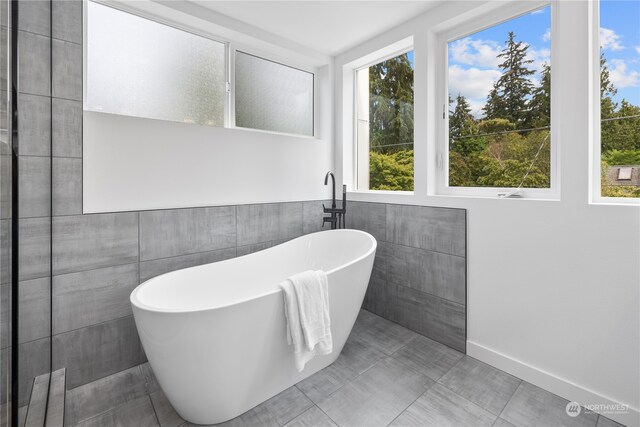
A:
{"x": 553, "y": 286}
{"x": 138, "y": 164}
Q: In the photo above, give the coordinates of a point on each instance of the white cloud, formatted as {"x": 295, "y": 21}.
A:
{"x": 539, "y": 57}
{"x": 621, "y": 76}
{"x": 638, "y": 49}
{"x": 473, "y": 83}
{"x": 477, "y": 53}
{"x": 609, "y": 40}
{"x": 547, "y": 35}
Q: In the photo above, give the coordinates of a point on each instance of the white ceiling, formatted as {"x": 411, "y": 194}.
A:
{"x": 330, "y": 27}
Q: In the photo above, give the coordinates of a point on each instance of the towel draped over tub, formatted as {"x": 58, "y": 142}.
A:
{"x": 306, "y": 308}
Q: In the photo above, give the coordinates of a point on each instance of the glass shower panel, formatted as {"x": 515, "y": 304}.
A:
{"x": 5, "y": 219}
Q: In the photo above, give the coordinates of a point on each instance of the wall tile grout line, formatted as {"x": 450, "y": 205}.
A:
{"x": 104, "y": 322}
{"x": 431, "y": 295}
{"x": 423, "y": 249}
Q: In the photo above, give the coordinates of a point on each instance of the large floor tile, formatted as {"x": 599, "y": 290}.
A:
{"x": 480, "y": 383}
{"x": 103, "y": 395}
{"x": 276, "y": 411}
{"x": 138, "y": 413}
{"x": 606, "y": 422}
{"x": 167, "y": 416}
{"x": 502, "y": 423}
{"x": 376, "y": 397}
{"x": 149, "y": 377}
{"x": 380, "y": 333}
{"x": 440, "y": 407}
{"x": 287, "y": 405}
{"x": 356, "y": 357}
{"x": 312, "y": 417}
{"x": 428, "y": 357}
{"x": 532, "y": 406}
{"x": 257, "y": 417}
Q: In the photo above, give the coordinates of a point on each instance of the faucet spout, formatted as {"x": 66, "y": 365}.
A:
{"x": 333, "y": 192}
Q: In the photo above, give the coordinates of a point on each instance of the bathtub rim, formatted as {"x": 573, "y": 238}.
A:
{"x": 136, "y": 303}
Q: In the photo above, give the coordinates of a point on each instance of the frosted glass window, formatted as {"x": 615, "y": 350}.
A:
{"x": 272, "y": 96}
{"x": 138, "y": 67}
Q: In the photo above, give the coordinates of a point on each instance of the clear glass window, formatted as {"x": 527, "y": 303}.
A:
{"x": 499, "y": 83}
{"x": 273, "y": 97}
{"x": 384, "y": 125}
{"x": 620, "y": 98}
{"x": 138, "y": 67}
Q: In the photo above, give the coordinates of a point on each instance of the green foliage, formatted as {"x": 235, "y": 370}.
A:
{"x": 461, "y": 121}
{"x": 622, "y": 157}
{"x": 620, "y": 191}
{"x": 496, "y": 125}
{"x": 540, "y": 103}
{"x": 393, "y": 171}
{"x": 621, "y": 130}
{"x": 391, "y": 104}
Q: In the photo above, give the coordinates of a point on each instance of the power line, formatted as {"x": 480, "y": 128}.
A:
{"x": 504, "y": 132}
{"x": 391, "y": 145}
{"x": 637, "y": 116}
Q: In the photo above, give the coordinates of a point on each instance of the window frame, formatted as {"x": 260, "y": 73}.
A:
{"x": 231, "y": 47}
{"x": 441, "y": 162}
{"x": 390, "y": 51}
{"x": 595, "y": 153}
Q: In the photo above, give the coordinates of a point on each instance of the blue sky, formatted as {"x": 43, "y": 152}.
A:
{"x": 620, "y": 42}
{"x": 473, "y": 66}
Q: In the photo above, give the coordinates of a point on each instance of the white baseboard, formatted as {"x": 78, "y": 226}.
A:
{"x": 552, "y": 383}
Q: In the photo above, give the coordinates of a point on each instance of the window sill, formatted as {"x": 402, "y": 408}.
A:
{"x": 535, "y": 198}
{"x": 616, "y": 201}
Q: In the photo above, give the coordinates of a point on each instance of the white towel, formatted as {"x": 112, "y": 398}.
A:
{"x": 306, "y": 307}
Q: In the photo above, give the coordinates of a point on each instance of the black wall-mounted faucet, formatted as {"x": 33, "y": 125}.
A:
{"x": 337, "y": 217}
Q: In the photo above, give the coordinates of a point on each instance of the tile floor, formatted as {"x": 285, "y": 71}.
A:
{"x": 386, "y": 375}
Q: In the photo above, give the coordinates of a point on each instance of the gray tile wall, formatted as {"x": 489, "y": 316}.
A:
{"x": 419, "y": 275}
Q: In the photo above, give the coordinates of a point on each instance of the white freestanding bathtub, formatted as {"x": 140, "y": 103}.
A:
{"x": 215, "y": 334}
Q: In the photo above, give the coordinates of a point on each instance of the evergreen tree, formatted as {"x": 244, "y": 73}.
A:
{"x": 510, "y": 94}
{"x": 391, "y": 104}
{"x": 607, "y": 91}
{"x": 461, "y": 126}
{"x": 540, "y": 104}
{"x": 461, "y": 121}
